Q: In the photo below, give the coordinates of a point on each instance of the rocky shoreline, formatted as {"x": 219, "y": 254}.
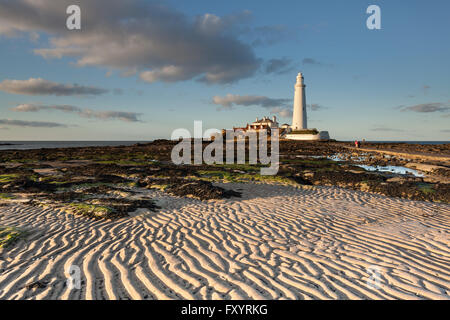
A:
{"x": 108, "y": 182}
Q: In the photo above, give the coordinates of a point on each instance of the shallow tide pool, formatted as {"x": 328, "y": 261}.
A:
{"x": 392, "y": 169}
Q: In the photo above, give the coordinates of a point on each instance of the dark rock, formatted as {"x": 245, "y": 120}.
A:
{"x": 202, "y": 190}
{"x": 36, "y": 285}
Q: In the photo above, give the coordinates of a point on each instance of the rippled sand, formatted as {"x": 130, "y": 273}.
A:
{"x": 277, "y": 242}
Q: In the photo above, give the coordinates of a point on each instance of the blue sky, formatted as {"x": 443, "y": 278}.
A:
{"x": 388, "y": 84}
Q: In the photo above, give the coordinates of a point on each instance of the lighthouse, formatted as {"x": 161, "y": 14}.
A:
{"x": 299, "y": 129}
{"x": 299, "y": 118}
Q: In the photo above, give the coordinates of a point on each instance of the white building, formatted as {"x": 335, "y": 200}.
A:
{"x": 299, "y": 126}
{"x": 263, "y": 124}
{"x": 299, "y": 117}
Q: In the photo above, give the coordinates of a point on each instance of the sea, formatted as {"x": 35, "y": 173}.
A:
{"x": 28, "y": 145}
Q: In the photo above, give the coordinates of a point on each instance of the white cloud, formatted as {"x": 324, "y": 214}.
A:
{"x": 86, "y": 113}
{"x": 231, "y": 100}
{"x": 39, "y": 86}
{"x": 428, "y": 107}
{"x": 315, "y": 107}
{"x": 282, "y": 112}
{"x": 34, "y": 124}
{"x": 281, "y": 107}
{"x": 136, "y": 36}
{"x": 279, "y": 66}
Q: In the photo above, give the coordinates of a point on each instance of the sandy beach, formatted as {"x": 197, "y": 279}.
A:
{"x": 276, "y": 242}
{"x": 229, "y": 159}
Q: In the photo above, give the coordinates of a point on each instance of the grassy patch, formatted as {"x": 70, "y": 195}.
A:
{"x": 125, "y": 162}
{"x": 5, "y": 178}
{"x": 56, "y": 182}
{"x": 37, "y": 178}
{"x": 161, "y": 187}
{"x": 9, "y": 235}
{"x": 91, "y": 209}
{"x": 224, "y": 176}
{"x": 6, "y": 196}
{"x": 426, "y": 188}
{"x": 305, "y": 131}
{"x": 131, "y": 184}
{"x": 240, "y": 167}
{"x": 21, "y": 161}
{"x": 123, "y": 159}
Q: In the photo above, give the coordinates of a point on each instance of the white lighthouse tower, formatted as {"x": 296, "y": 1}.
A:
{"x": 299, "y": 118}
{"x": 299, "y": 128}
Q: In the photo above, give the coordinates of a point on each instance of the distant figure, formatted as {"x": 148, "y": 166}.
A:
{"x": 356, "y": 144}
